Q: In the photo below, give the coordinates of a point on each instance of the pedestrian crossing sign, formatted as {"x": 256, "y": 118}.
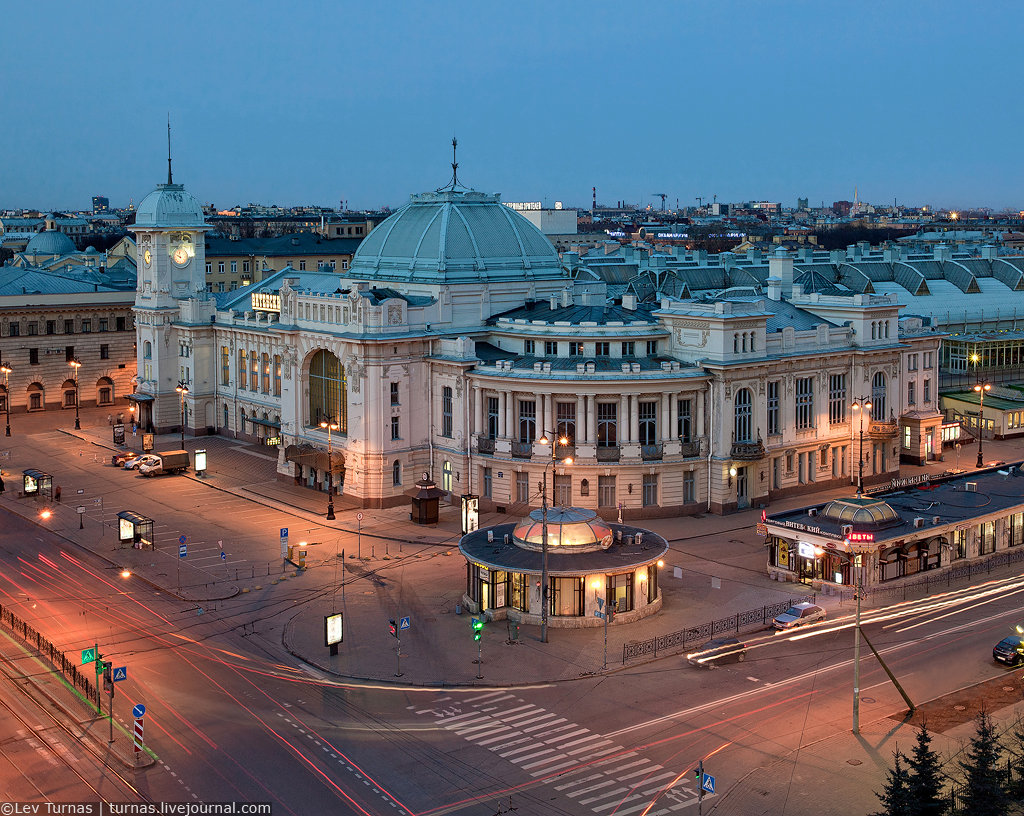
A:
{"x": 709, "y": 783}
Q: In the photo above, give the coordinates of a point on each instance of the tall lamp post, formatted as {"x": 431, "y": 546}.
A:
{"x": 182, "y": 390}
{"x": 330, "y": 425}
{"x": 6, "y": 371}
{"x": 981, "y": 388}
{"x": 76, "y": 364}
{"x": 856, "y": 563}
{"x": 544, "y": 526}
{"x": 861, "y": 405}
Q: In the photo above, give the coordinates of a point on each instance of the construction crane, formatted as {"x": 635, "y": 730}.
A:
{"x": 700, "y": 201}
{"x": 662, "y": 196}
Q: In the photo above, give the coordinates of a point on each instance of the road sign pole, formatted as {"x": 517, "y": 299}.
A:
{"x": 700, "y": 788}
{"x": 359, "y": 536}
{"x": 110, "y": 711}
{"x": 398, "y": 657}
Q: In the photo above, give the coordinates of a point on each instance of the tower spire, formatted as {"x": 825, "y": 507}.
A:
{"x": 169, "y": 179}
{"x": 455, "y": 164}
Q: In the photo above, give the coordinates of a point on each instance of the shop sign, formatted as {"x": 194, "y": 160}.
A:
{"x": 796, "y": 525}
{"x": 852, "y": 537}
{"x": 899, "y": 484}
{"x": 805, "y": 550}
{"x": 762, "y": 530}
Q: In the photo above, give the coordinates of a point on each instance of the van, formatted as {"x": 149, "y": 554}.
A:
{"x": 166, "y": 462}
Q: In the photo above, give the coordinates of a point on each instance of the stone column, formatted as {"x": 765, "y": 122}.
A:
{"x": 480, "y": 418}
{"x": 665, "y": 429}
{"x": 542, "y": 415}
{"x": 591, "y": 417}
{"x": 624, "y": 421}
{"x": 581, "y": 419}
{"x": 634, "y": 419}
{"x": 673, "y": 417}
{"x": 503, "y": 409}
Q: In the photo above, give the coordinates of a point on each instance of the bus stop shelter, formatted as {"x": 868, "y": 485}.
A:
{"x": 134, "y": 529}
{"x": 36, "y": 483}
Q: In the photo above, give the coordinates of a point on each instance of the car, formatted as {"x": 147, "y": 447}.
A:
{"x": 1010, "y": 650}
{"x": 118, "y": 459}
{"x": 722, "y": 650}
{"x": 133, "y": 464}
{"x": 799, "y": 615}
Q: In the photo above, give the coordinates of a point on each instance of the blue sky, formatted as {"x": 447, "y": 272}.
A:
{"x": 311, "y": 102}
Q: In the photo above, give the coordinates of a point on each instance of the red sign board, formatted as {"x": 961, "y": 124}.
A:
{"x": 860, "y": 537}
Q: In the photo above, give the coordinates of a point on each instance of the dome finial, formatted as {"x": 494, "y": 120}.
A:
{"x": 169, "y": 180}
{"x": 455, "y": 164}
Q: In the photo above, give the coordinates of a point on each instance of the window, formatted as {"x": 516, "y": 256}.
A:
{"x": 493, "y": 421}
{"x": 575, "y": 349}
{"x": 652, "y": 347}
{"x": 33, "y": 356}
{"x": 804, "y": 403}
{"x": 446, "y": 411}
{"x": 51, "y": 326}
{"x": 104, "y": 324}
{"x": 33, "y": 328}
{"x": 302, "y": 266}
{"x": 395, "y": 434}
{"x": 14, "y": 330}
{"x": 225, "y": 365}
{"x": 689, "y": 487}
{"x": 394, "y": 393}
{"x": 527, "y": 420}
{"x": 607, "y": 424}
{"x": 69, "y": 327}
{"x": 104, "y": 351}
{"x": 522, "y": 487}
{"x": 878, "y": 396}
{"x": 836, "y": 399}
{"x": 446, "y": 476}
{"x": 986, "y": 538}
{"x": 629, "y": 348}
{"x": 245, "y": 267}
{"x": 69, "y": 353}
{"x": 743, "y": 416}
{"x": 220, "y": 267}
{"x": 927, "y": 391}
{"x": 959, "y": 544}
{"x": 911, "y": 362}
{"x": 684, "y": 423}
{"x": 209, "y": 267}
{"x": 649, "y": 489}
{"x": 550, "y": 348}
{"x": 234, "y": 267}
{"x": 647, "y": 413}
{"x": 529, "y": 346}
{"x": 619, "y": 592}
{"x": 911, "y": 393}
{"x": 396, "y": 473}
{"x": 265, "y": 366}
{"x": 243, "y": 368}
{"x": 121, "y": 323}
{"x": 488, "y": 481}
{"x": 928, "y": 360}
{"x": 254, "y": 370}
{"x": 328, "y": 395}
{"x": 563, "y": 490}
{"x": 774, "y": 424}
{"x": 602, "y": 348}
{"x": 565, "y": 421}
{"x": 277, "y": 375}
{"x": 606, "y": 491}
{"x": 906, "y": 437}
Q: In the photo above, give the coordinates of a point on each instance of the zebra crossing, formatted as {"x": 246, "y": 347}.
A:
{"x": 596, "y": 772}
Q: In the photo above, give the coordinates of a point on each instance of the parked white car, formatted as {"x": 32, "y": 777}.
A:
{"x": 799, "y": 615}
{"x": 146, "y": 458}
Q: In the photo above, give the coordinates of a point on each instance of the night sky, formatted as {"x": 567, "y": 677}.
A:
{"x": 292, "y": 103}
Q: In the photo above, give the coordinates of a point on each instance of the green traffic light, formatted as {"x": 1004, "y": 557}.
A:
{"x": 476, "y": 636}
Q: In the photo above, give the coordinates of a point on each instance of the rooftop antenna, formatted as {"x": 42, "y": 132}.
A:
{"x": 169, "y": 180}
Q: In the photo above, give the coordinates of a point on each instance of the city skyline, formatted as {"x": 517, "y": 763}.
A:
{"x": 737, "y": 101}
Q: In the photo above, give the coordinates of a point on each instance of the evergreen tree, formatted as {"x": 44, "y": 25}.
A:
{"x": 985, "y": 795}
{"x": 1015, "y": 787}
{"x": 895, "y": 797}
{"x": 924, "y": 780}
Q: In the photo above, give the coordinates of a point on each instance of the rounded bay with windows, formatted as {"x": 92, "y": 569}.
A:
{"x": 593, "y": 565}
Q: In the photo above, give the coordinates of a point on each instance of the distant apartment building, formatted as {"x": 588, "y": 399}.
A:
{"x": 100, "y": 204}
{"x": 232, "y": 263}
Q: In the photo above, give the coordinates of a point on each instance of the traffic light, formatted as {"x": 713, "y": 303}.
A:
{"x": 393, "y": 628}
{"x": 478, "y": 626}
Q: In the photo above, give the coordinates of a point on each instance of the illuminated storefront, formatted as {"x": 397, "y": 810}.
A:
{"x": 588, "y": 559}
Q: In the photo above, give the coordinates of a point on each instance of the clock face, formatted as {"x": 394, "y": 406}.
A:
{"x": 180, "y": 256}
{"x": 149, "y": 257}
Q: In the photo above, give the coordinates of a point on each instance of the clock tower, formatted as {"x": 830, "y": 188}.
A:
{"x": 170, "y": 302}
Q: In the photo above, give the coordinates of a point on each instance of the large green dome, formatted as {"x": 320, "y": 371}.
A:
{"x": 456, "y": 236}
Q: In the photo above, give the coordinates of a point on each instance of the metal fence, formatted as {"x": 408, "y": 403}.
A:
{"x": 1009, "y": 777}
{"x": 938, "y": 578}
{"x": 57, "y": 658}
{"x": 706, "y": 631}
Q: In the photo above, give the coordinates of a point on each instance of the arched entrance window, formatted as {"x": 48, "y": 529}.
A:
{"x": 36, "y": 397}
{"x": 396, "y": 473}
{"x": 327, "y": 390}
{"x": 3, "y": 399}
{"x": 742, "y": 425}
{"x": 227, "y": 423}
{"x": 68, "y": 390}
{"x": 446, "y": 476}
{"x": 878, "y": 411}
{"x": 105, "y": 391}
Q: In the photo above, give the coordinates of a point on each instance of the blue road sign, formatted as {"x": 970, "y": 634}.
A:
{"x": 139, "y": 710}
{"x": 709, "y": 783}
{"x": 405, "y": 622}
{"x": 284, "y": 533}
{"x": 182, "y": 550}
{"x": 120, "y": 673}
{"x": 182, "y": 539}
{"x": 223, "y": 556}
{"x": 598, "y": 613}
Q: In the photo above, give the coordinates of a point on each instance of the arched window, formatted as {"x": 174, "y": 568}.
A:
{"x": 227, "y": 421}
{"x": 735, "y": 343}
{"x": 878, "y": 397}
{"x": 743, "y": 416}
{"x": 446, "y": 476}
{"x": 105, "y": 391}
{"x": 886, "y": 329}
{"x": 328, "y": 395}
{"x": 241, "y": 424}
{"x": 68, "y": 390}
{"x": 36, "y": 397}
{"x": 874, "y": 330}
{"x": 752, "y": 341}
{"x": 396, "y": 473}
{"x": 147, "y": 350}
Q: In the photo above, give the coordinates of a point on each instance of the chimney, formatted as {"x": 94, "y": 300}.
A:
{"x": 774, "y": 289}
{"x": 553, "y": 302}
{"x": 629, "y": 302}
{"x": 942, "y": 252}
{"x": 566, "y": 298}
{"x": 836, "y": 257}
{"x": 988, "y": 252}
{"x": 780, "y": 266}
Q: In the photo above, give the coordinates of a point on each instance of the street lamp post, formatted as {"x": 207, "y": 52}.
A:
{"x": 76, "y": 364}
{"x": 182, "y": 389}
{"x": 856, "y": 563}
{"x": 544, "y": 527}
{"x": 330, "y": 425}
{"x": 981, "y": 388}
{"x": 6, "y": 371}
{"x": 862, "y": 405}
